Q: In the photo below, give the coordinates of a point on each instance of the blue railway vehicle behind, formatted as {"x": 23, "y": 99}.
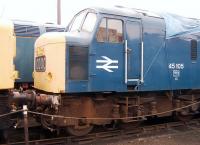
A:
{"x": 26, "y": 34}
{"x": 116, "y": 65}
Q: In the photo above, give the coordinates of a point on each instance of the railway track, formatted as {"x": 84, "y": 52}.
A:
{"x": 118, "y": 134}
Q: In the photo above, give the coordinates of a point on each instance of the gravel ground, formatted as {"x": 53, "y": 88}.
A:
{"x": 187, "y": 136}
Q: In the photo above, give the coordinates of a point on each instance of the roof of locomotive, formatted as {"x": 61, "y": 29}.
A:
{"x": 127, "y": 12}
{"x": 175, "y": 25}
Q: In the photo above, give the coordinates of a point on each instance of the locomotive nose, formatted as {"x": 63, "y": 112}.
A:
{"x": 49, "y": 62}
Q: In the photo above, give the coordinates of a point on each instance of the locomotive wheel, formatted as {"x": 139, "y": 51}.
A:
{"x": 79, "y": 131}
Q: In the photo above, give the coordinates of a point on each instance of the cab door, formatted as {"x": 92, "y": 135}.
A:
{"x": 133, "y": 52}
{"x": 107, "y": 56}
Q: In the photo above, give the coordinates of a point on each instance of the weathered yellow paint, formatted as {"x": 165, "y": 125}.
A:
{"x": 52, "y": 46}
{"x": 7, "y": 54}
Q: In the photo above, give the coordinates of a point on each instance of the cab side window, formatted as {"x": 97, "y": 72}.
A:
{"x": 114, "y": 30}
{"x": 110, "y": 30}
{"x": 101, "y": 34}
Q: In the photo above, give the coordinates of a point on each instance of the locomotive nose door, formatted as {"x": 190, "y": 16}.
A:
{"x": 133, "y": 64}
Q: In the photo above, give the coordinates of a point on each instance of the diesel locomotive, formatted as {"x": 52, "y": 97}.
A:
{"x": 118, "y": 65}
{"x": 115, "y": 65}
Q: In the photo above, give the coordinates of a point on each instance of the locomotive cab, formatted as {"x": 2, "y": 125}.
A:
{"x": 97, "y": 47}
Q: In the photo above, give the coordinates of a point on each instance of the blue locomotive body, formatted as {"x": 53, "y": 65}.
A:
{"x": 150, "y": 54}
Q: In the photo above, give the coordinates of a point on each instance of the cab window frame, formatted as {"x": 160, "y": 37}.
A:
{"x": 74, "y": 18}
{"x": 107, "y": 32}
{"x": 84, "y": 19}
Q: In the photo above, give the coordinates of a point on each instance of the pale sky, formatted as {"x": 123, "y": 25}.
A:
{"x": 45, "y": 10}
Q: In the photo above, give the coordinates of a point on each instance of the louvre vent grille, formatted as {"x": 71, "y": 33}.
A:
{"x": 193, "y": 49}
{"x": 26, "y": 30}
{"x": 54, "y": 29}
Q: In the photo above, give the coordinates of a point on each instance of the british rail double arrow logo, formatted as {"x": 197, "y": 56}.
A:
{"x": 107, "y": 64}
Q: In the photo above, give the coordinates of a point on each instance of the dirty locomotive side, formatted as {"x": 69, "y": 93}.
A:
{"x": 117, "y": 65}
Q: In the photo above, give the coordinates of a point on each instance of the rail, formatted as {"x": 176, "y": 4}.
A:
{"x": 118, "y": 134}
